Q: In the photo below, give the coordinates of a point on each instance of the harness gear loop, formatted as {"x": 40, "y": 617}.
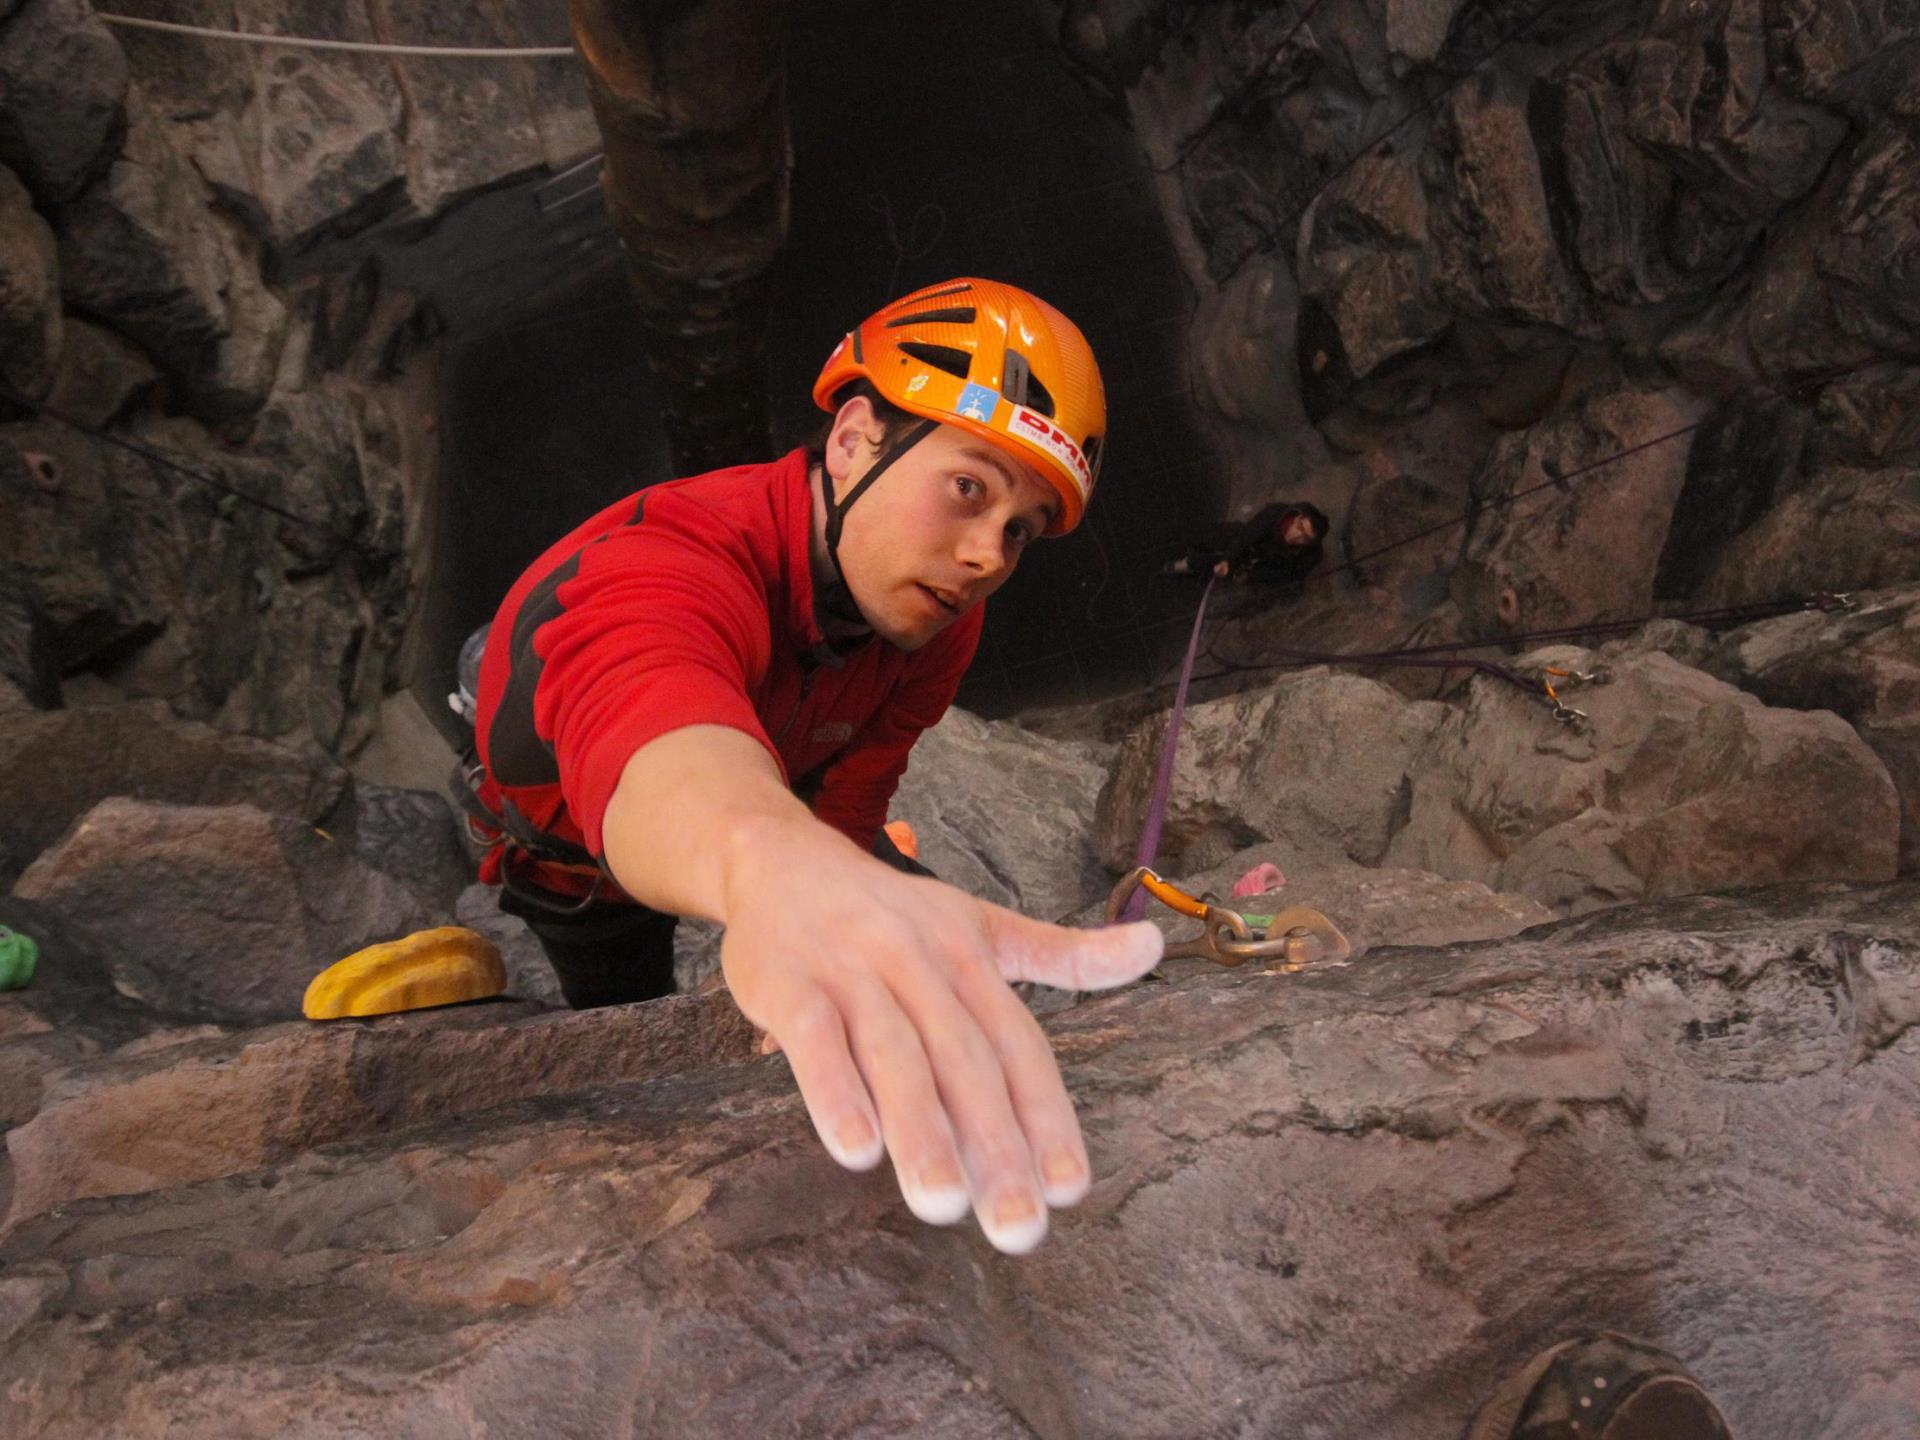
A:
{"x": 1297, "y": 937}
{"x": 516, "y": 835}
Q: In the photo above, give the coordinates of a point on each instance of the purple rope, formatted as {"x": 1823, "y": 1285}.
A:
{"x": 1163, "y": 777}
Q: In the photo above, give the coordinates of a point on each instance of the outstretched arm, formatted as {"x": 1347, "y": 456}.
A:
{"x": 889, "y": 993}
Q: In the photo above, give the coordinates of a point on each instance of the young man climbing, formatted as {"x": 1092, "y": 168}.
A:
{"x": 701, "y": 700}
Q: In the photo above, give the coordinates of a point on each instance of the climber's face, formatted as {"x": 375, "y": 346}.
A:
{"x": 938, "y": 532}
{"x": 1297, "y": 530}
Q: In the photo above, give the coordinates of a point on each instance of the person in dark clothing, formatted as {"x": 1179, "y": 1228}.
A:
{"x": 1282, "y": 544}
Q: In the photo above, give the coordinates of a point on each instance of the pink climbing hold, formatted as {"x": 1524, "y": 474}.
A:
{"x": 1263, "y": 877}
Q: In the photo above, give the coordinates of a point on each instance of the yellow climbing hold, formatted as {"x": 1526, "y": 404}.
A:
{"x": 428, "y": 967}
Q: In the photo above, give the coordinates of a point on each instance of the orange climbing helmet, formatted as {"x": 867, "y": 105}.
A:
{"x": 994, "y": 360}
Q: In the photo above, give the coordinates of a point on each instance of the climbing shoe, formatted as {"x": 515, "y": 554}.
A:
{"x": 1600, "y": 1386}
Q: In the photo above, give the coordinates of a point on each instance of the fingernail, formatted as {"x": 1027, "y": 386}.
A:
{"x": 938, "y": 1194}
{"x": 1016, "y": 1223}
{"x": 854, "y": 1143}
{"x": 1014, "y": 1208}
{"x": 1065, "y": 1179}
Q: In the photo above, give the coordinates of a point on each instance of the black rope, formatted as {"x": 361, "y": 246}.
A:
{"x": 1420, "y": 107}
{"x": 1418, "y": 656}
{"x": 1228, "y": 106}
{"x": 1558, "y": 479}
{"x": 212, "y": 482}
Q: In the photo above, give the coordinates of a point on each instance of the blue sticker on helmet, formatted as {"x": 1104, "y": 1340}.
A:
{"x": 977, "y": 402}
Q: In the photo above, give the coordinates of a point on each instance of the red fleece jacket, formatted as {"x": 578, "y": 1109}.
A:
{"x": 691, "y": 603}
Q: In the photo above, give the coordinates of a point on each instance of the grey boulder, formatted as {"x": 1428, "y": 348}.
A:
{"x": 70, "y": 760}
{"x": 1316, "y": 764}
{"x": 217, "y": 913}
{"x": 1863, "y": 665}
{"x": 1676, "y": 783}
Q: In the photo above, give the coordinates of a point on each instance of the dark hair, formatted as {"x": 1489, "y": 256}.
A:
{"x": 891, "y": 417}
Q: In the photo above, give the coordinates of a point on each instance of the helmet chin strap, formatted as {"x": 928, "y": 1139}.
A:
{"x": 837, "y": 602}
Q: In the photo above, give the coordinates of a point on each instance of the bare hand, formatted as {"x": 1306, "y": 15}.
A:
{"x": 1221, "y": 568}
{"x": 890, "y": 995}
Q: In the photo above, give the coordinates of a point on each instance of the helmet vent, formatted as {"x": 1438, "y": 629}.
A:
{"x": 962, "y": 288}
{"x": 1022, "y": 387}
{"x": 941, "y": 357}
{"x": 959, "y": 315}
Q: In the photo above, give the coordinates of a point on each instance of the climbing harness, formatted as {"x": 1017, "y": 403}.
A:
{"x": 1294, "y": 939}
{"x": 517, "y": 835}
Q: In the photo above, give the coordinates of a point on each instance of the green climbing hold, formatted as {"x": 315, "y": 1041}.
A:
{"x": 18, "y": 955}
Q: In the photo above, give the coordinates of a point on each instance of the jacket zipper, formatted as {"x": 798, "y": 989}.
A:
{"x": 806, "y": 688}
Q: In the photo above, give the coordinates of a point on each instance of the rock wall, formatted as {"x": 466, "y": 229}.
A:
{"x": 217, "y": 453}
{"x": 1343, "y": 1203}
{"x": 1448, "y": 251}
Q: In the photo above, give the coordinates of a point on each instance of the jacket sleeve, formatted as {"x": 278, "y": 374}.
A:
{"x": 659, "y": 629}
{"x": 854, "y": 792}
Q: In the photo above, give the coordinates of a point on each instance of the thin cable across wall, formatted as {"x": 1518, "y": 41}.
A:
{"x": 363, "y": 47}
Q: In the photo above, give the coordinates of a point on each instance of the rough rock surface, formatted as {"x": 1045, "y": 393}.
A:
{"x": 101, "y": 375}
{"x": 219, "y": 913}
{"x": 30, "y": 319}
{"x": 1678, "y": 783}
{"x": 225, "y": 610}
{"x": 70, "y": 1013}
{"x": 1587, "y": 548}
{"x": 263, "y": 1096}
{"x": 1002, "y": 813}
{"x": 62, "y": 82}
{"x": 70, "y": 760}
{"x": 1491, "y": 215}
{"x": 1533, "y": 213}
{"x": 1847, "y": 529}
{"x": 1690, "y": 1121}
{"x": 529, "y": 976}
{"x": 412, "y": 836}
{"x": 29, "y": 676}
{"x": 1316, "y": 764}
{"x": 1373, "y": 906}
{"x": 306, "y": 144}
{"x": 1863, "y": 666}
{"x": 147, "y": 252}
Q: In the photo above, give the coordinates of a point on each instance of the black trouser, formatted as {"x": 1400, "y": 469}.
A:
{"x": 609, "y": 953}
